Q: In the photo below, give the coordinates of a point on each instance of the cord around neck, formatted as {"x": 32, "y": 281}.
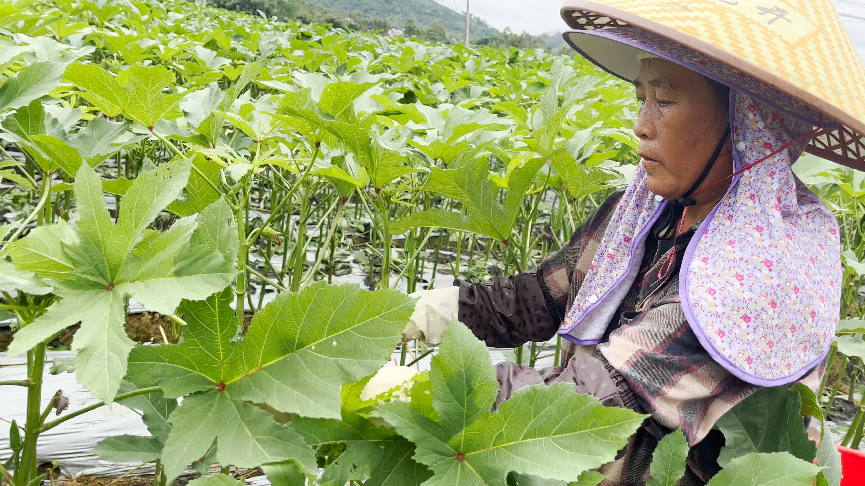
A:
{"x": 676, "y": 207}
{"x": 669, "y": 263}
{"x": 686, "y": 200}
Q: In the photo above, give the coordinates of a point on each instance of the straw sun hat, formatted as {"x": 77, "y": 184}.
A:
{"x": 792, "y": 54}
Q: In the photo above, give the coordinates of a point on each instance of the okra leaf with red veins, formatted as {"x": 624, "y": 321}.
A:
{"x": 202, "y": 364}
{"x": 136, "y": 92}
{"x": 470, "y": 184}
{"x": 546, "y": 432}
{"x": 95, "y": 264}
{"x": 340, "y": 333}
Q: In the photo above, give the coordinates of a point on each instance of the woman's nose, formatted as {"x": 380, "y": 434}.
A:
{"x": 643, "y": 127}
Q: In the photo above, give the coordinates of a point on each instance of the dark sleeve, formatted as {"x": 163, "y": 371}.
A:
{"x": 531, "y": 306}
{"x": 510, "y": 312}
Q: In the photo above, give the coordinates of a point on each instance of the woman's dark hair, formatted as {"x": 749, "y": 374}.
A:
{"x": 722, "y": 92}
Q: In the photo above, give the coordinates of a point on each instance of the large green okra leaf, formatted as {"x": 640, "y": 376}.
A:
{"x": 136, "y": 92}
{"x": 205, "y": 359}
{"x": 342, "y": 333}
{"x": 245, "y": 435}
{"x": 763, "y": 469}
{"x": 768, "y": 421}
{"x": 463, "y": 384}
{"x": 129, "y": 448}
{"x": 298, "y": 353}
{"x": 155, "y": 410}
{"x": 31, "y": 83}
{"x": 102, "y": 138}
{"x": 387, "y": 463}
{"x": 547, "y": 432}
{"x": 94, "y": 265}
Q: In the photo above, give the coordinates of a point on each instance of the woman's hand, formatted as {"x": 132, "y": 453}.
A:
{"x": 432, "y": 315}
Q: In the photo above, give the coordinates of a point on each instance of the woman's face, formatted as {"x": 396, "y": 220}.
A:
{"x": 680, "y": 123}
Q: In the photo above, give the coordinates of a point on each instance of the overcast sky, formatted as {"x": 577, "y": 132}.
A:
{"x": 542, "y": 16}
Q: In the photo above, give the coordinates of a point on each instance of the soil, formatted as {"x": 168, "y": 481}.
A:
{"x": 55, "y": 476}
{"x": 128, "y": 481}
{"x": 143, "y": 480}
{"x": 5, "y": 338}
{"x": 141, "y": 328}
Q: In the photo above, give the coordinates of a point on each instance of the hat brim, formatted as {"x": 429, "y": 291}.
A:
{"x": 617, "y": 58}
{"x": 601, "y": 35}
{"x": 616, "y": 51}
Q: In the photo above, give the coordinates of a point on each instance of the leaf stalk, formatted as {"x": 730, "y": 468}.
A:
{"x": 45, "y": 194}
{"x": 4, "y": 474}
{"x": 265, "y": 279}
{"x": 16, "y": 383}
{"x": 54, "y": 423}
{"x": 274, "y": 211}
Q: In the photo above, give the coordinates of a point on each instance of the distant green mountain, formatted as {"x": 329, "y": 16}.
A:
{"x": 554, "y": 41}
{"x": 422, "y": 13}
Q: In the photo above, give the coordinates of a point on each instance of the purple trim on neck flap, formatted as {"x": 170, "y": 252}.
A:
{"x": 639, "y": 240}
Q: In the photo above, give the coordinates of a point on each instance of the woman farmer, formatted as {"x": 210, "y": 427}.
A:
{"x": 715, "y": 272}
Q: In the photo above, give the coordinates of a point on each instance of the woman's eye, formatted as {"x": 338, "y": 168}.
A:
{"x": 664, "y": 103}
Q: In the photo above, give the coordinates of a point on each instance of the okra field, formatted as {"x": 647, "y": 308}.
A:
{"x": 226, "y": 170}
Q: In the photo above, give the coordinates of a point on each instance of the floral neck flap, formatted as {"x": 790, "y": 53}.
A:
{"x": 760, "y": 284}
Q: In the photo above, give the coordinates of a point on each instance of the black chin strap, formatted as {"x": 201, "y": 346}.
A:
{"x": 667, "y": 223}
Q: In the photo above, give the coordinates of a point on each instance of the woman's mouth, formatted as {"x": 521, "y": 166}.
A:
{"x": 647, "y": 162}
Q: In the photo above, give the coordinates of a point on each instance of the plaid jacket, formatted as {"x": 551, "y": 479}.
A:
{"x": 649, "y": 343}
